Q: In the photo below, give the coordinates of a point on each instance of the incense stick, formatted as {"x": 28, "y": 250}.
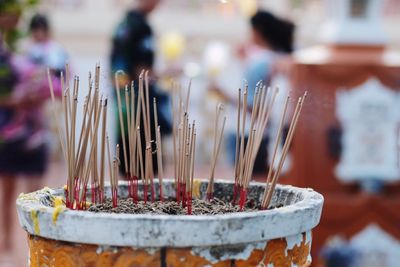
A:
{"x": 158, "y": 148}
{"x": 236, "y": 171}
{"x": 121, "y": 121}
{"x": 102, "y": 151}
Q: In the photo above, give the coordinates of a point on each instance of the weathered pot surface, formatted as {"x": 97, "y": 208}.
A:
{"x": 300, "y": 213}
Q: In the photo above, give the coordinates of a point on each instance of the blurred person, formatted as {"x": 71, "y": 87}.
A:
{"x": 133, "y": 51}
{"x": 23, "y": 151}
{"x": 266, "y": 55}
{"x": 8, "y": 79}
{"x": 41, "y": 49}
{"x": 272, "y": 41}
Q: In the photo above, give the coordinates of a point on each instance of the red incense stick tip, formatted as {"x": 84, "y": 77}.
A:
{"x": 115, "y": 197}
{"x": 189, "y": 203}
{"x": 183, "y": 194}
{"x": 243, "y": 197}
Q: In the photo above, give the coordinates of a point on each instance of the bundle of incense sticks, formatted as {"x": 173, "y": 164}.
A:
{"x": 263, "y": 102}
{"x": 81, "y": 156}
{"x": 184, "y": 142}
{"x": 273, "y": 175}
{"x": 262, "y": 106}
{"x": 139, "y": 164}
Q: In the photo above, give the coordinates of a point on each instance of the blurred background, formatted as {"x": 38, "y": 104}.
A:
{"x": 345, "y": 53}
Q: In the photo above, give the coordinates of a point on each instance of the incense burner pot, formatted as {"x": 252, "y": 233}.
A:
{"x": 276, "y": 237}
